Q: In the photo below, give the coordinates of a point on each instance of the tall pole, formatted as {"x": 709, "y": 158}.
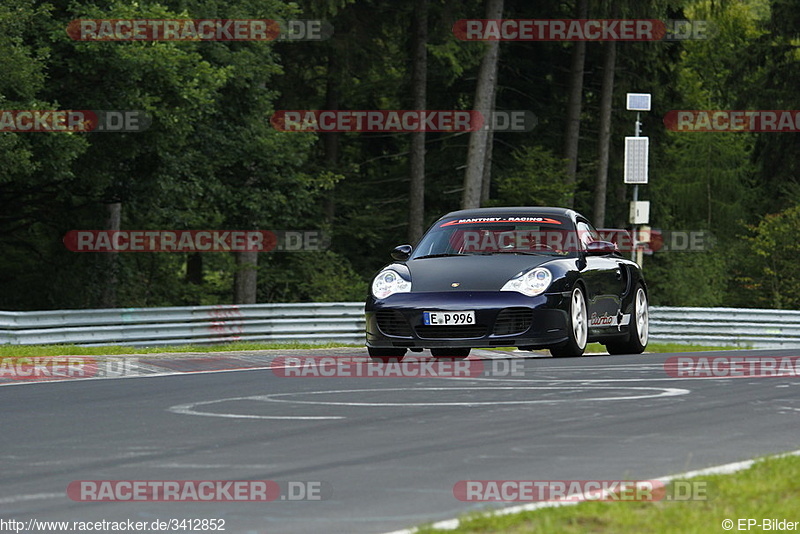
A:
{"x": 635, "y": 238}
{"x": 636, "y": 163}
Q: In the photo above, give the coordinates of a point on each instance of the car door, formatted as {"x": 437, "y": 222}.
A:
{"x": 605, "y": 280}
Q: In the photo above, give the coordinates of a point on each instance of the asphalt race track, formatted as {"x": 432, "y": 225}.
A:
{"x": 388, "y": 449}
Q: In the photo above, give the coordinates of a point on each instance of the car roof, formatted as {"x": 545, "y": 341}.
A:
{"x": 513, "y": 210}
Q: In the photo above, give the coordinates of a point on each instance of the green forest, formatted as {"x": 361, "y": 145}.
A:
{"x": 211, "y": 159}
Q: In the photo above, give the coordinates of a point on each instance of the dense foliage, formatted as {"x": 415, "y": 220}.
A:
{"x": 211, "y": 159}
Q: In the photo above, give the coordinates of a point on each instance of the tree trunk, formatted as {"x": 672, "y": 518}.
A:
{"x": 194, "y": 268}
{"x": 487, "y": 79}
{"x": 110, "y": 260}
{"x": 486, "y": 180}
{"x": 573, "y": 130}
{"x": 622, "y": 197}
{"x": 419, "y": 80}
{"x": 244, "y": 281}
{"x": 603, "y": 149}
{"x": 331, "y": 141}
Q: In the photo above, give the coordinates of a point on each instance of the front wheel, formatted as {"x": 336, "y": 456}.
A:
{"x": 386, "y": 355}
{"x": 639, "y": 329}
{"x": 578, "y": 328}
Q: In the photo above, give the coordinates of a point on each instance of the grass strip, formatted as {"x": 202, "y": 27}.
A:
{"x": 766, "y": 491}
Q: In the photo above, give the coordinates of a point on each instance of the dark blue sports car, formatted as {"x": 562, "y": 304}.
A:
{"x": 496, "y": 277}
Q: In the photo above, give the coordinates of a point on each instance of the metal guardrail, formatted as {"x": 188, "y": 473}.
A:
{"x": 343, "y": 322}
{"x": 739, "y": 327}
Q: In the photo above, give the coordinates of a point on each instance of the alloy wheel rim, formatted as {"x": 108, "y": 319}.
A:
{"x": 642, "y": 315}
{"x": 579, "y": 326}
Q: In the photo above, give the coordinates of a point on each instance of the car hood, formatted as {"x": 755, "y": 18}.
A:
{"x": 472, "y": 273}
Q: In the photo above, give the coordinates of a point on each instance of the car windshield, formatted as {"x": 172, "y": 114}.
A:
{"x": 499, "y": 235}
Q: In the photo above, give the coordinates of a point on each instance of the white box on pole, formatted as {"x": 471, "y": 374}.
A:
{"x": 640, "y": 212}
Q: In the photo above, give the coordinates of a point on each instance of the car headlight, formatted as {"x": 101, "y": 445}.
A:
{"x": 389, "y": 282}
{"x": 532, "y": 283}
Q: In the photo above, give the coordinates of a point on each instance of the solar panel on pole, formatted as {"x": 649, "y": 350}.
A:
{"x": 636, "y": 159}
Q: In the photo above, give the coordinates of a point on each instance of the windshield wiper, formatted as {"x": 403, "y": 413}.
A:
{"x": 440, "y": 256}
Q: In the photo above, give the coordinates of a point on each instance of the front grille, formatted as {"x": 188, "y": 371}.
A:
{"x": 392, "y": 323}
{"x": 462, "y": 331}
{"x": 513, "y": 321}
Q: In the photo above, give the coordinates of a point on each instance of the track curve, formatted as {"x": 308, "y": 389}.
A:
{"x": 391, "y": 449}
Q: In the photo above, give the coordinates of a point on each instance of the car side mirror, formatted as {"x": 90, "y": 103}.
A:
{"x": 600, "y": 248}
{"x": 402, "y": 252}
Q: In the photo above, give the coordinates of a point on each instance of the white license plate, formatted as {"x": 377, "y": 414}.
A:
{"x": 448, "y": 318}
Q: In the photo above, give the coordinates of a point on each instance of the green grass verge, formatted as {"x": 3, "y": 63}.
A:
{"x": 75, "y": 350}
{"x": 768, "y": 490}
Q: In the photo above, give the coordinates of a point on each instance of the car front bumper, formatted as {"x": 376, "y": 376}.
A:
{"x": 502, "y": 319}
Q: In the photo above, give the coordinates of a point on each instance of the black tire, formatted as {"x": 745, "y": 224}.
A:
{"x": 386, "y": 355}
{"x": 452, "y": 354}
{"x": 577, "y": 327}
{"x": 639, "y": 331}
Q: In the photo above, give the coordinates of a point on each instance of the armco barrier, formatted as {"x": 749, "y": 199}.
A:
{"x": 740, "y": 327}
{"x": 343, "y": 322}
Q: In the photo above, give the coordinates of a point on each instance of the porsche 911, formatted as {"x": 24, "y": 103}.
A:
{"x": 526, "y": 277}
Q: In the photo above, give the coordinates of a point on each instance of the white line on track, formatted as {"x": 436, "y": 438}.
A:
{"x": 588, "y": 368}
{"x": 31, "y": 497}
{"x": 158, "y": 374}
{"x": 662, "y": 392}
{"x": 142, "y": 375}
{"x": 189, "y": 409}
{"x": 596, "y": 380}
{"x": 192, "y": 408}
